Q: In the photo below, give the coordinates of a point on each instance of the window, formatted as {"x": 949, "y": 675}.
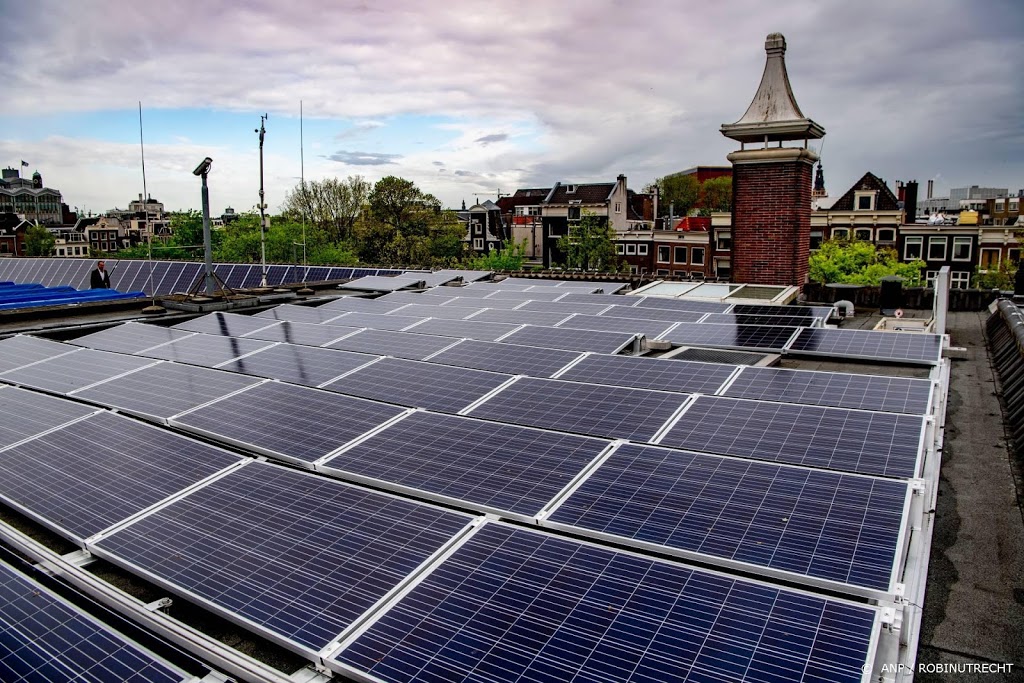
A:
{"x": 574, "y": 213}
{"x": 618, "y": 207}
{"x": 630, "y": 249}
{"x": 840, "y": 233}
{"x": 680, "y": 256}
{"x": 620, "y": 249}
{"x": 1013, "y": 205}
{"x": 961, "y": 248}
{"x": 661, "y": 271}
{"x": 815, "y": 240}
{"x": 936, "y": 248}
{"x": 989, "y": 259}
{"x": 570, "y": 189}
{"x": 960, "y": 279}
{"x": 912, "y": 248}
{"x": 865, "y": 201}
{"x": 724, "y": 241}
{"x": 1000, "y": 204}
{"x": 641, "y": 250}
{"x": 863, "y": 234}
{"x": 477, "y": 228}
{"x": 478, "y": 243}
{"x": 929, "y": 278}
{"x": 723, "y": 267}
{"x": 663, "y": 254}
{"x": 634, "y": 270}
{"x": 697, "y": 256}
{"x": 1013, "y": 255}
{"x": 886, "y": 235}
{"x": 60, "y": 252}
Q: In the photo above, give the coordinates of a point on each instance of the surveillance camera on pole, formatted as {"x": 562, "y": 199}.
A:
{"x": 202, "y": 170}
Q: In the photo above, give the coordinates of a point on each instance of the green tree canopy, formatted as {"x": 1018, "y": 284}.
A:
{"x": 38, "y": 241}
{"x": 678, "y": 193}
{"x": 716, "y": 194}
{"x": 330, "y": 204}
{"x": 511, "y": 256}
{"x": 589, "y": 244}
{"x": 859, "y": 262}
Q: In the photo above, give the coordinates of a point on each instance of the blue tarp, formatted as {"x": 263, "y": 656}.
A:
{"x": 34, "y": 295}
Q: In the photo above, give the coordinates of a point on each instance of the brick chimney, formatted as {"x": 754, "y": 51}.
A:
{"x": 771, "y": 184}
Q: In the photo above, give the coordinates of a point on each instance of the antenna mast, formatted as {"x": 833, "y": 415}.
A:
{"x": 263, "y": 206}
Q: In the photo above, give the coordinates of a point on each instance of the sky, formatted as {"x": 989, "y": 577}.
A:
{"x": 472, "y": 98}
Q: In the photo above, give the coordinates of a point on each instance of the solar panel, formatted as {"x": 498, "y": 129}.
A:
{"x": 885, "y": 444}
{"x": 379, "y": 283}
{"x": 433, "y": 311}
{"x": 226, "y": 324}
{"x": 916, "y": 347}
{"x": 612, "y": 412}
{"x": 450, "y": 274}
{"x": 475, "y": 463}
{"x": 839, "y": 528}
{"x": 652, "y": 329}
{"x": 24, "y": 414}
{"x": 99, "y": 471}
{"x": 285, "y": 421}
{"x": 531, "y": 294}
{"x": 205, "y": 349}
{"x": 602, "y": 299}
{"x": 360, "y": 304}
{"x": 512, "y": 604}
{"x": 514, "y": 317}
{"x": 476, "y": 304}
{"x": 760, "y": 319}
{"x": 376, "y": 321}
{"x": 165, "y": 389}
{"x": 770, "y": 309}
{"x": 419, "y": 385}
{"x": 559, "y": 307}
{"x": 300, "y": 314}
{"x": 647, "y": 302}
{"x": 21, "y": 350}
{"x": 71, "y": 371}
{"x": 46, "y": 638}
{"x": 571, "y": 340}
{"x": 398, "y": 344}
{"x": 299, "y": 556}
{"x": 650, "y": 373}
{"x": 510, "y": 358}
{"x": 663, "y": 314}
{"x": 467, "y": 329}
{"x": 843, "y": 390}
{"x": 304, "y": 365}
{"x": 764, "y": 337}
{"x": 308, "y": 334}
{"x": 130, "y": 337}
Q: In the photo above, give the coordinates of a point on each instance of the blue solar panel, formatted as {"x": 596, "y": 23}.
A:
{"x": 297, "y": 364}
{"x": 650, "y": 373}
{"x": 904, "y": 347}
{"x": 479, "y": 464}
{"x": 514, "y": 605}
{"x": 85, "y": 477}
{"x": 840, "y": 389}
{"x": 44, "y": 638}
{"x": 830, "y": 438}
{"x": 809, "y": 523}
{"x": 398, "y": 344}
{"x": 613, "y": 412}
{"x": 769, "y": 309}
{"x": 297, "y": 555}
{"x": 286, "y": 421}
{"x": 510, "y": 358}
{"x": 419, "y": 385}
{"x": 763, "y": 337}
{"x": 761, "y": 319}
{"x": 571, "y": 340}
{"x": 652, "y": 329}
{"x": 25, "y": 413}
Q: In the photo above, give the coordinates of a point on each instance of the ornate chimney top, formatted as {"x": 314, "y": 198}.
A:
{"x": 773, "y": 115}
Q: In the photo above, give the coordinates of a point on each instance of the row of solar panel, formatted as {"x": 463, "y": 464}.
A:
{"x": 301, "y": 559}
{"x": 167, "y": 277}
{"x": 519, "y": 472}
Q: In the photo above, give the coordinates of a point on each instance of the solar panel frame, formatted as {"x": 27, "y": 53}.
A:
{"x": 207, "y": 548}
{"x": 646, "y": 302}
{"x": 28, "y": 414}
{"x": 513, "y": 604}
{"x": 23, "y": 350}
{"x": 306, "y": 334}
{"x": 432, "y": 311}
{"x": 824, "y": 312}
{"x": 476, "y": 303}
{"x": 917, "y": 347}
{"x": 408, "y": 345}
{"x": 761, "y": 319}
{"x": 571, "y": 339}
{"x": 361, "y": 304}
{"x": 689, "y": 377}
{"x": 206, "y": 350}
{"x": 224, "y": 324}
{"x": 652, "y": 329}
{"x": 857, "y": 441}
{"x": 489, "y": 467}
{"x": 663, "y": 314}
{"x": 463, "y": 329}
{"x": 518, "y": 317}
{"x": 773, "y": 338}
{"x": 826, "y": 530}
{"x": 300, "y": 314}
{"x": 76, "y": 370}
{"x": 504, "y": 357}
{"x": 308, "y": 366}
{"x": 560, "y": 307}
{"x": 130, "y": 337}
{"x": 375, "y": 321}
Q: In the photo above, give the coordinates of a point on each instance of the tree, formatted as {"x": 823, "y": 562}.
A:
{"x": 678, "y": 193}
{"x": 859, "y": 262}
{"x": 716, "y": 194}
{"x": 511, "y": 256}
{"x": 1002, "y": 277}
{"x": 589, "y": 245}
{"x": 38, "y": 241}
{"x": 399, "y": 204}
{"x": 332, "y": 205}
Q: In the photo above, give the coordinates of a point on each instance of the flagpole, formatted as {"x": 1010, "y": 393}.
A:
{"x": 152, "y": 308}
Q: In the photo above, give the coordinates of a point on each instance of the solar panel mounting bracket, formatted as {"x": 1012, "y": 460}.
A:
{"x": 160, "y": 605}
{"x": 79, "y": 558}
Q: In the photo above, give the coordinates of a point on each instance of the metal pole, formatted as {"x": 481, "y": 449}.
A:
{"x": 208, "y": 248}
{"x": 263, "y": 205}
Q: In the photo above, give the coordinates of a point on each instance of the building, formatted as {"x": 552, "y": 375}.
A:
{"x": 29, "y": 198}
{"x": 485, "y": 228}
{"x": 12, "y": 235}
{"x": 868, "y": 211}
{"x": 521, "y": 211}
{"x": 771, "y": 215}
{"x": 1003, "y": 211}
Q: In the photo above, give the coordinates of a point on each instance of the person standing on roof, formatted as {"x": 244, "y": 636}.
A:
{"x": 100, "y": 278}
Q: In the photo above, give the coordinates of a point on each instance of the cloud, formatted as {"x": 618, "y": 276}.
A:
{"x": 437, "y": 163}
{"x": 363, "y": 158}
{"x": 359, "y": 129}
{"x": 494, "y": 137}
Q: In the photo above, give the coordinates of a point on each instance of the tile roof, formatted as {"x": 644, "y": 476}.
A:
{"x": 591, "y": 193}
{"x": 886, "y": 199}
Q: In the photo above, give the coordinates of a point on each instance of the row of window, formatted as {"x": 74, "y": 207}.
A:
{"x": 913, "y": 248}
{"x": 73, "y": 251}
{"x": 631, "y": 249}
{"x": 1014, "y": 205}
{"x": 696, "y": 258}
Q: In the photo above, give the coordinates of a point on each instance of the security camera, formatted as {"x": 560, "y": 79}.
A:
{"x": 204, "y": 166}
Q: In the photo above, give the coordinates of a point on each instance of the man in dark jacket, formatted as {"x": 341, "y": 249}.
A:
{"x": 100, "y": 278}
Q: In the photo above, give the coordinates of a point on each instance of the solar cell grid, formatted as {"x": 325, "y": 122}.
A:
{"x": 646, "y": 302}
{"x": 419, "y": 385}
{"x": 765, "y": 337}
{"x": 652, "y": 329}
{"x": 360, "y": 304}
{"x": 559, "y": 307}
{"x": 300, "y": 314}
{"x": 612, "y": 412}
{"x": 86, "y": 477}
{"x": 514, "y": 605}
{"x": 892, "y": 346}
{"x": 829, "y": 526}
{"x": 844, "y": 390}
{"x": 72, "y": 371}
{"x": 130, "y": 337}
{"x": 398, "y": 344}
{"x": 515, "y": 317}
{"x": 759, "y": 319}
{"x": 531, "y": 294}
{"x": 26, "y": 413}
{"x": 225, "y": 324}
{"x": 376, "y": 321}
{"x": 21, "y": 350}
{"x": 298, "y": 555}
{"x": 510, "y": 358}
{"x": 468, "y": 329}
{"x": 305, "y": 365}
{"x": 205, "y": 349}
{"x": 282, "y": 420}
{"x": 768, "y": 309}
{"x": 663, "y": 314}
{"x": 650, "y": 373}
{"x": 307, "y": 334}
{"x": 570, "y": 339}
{"x": 45, "y": 638}
{"x": 477, "y": 304}
{"x": 499, "y": 467}
{"x": 885, "y": 444}
{"x": 433, "y": 311}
